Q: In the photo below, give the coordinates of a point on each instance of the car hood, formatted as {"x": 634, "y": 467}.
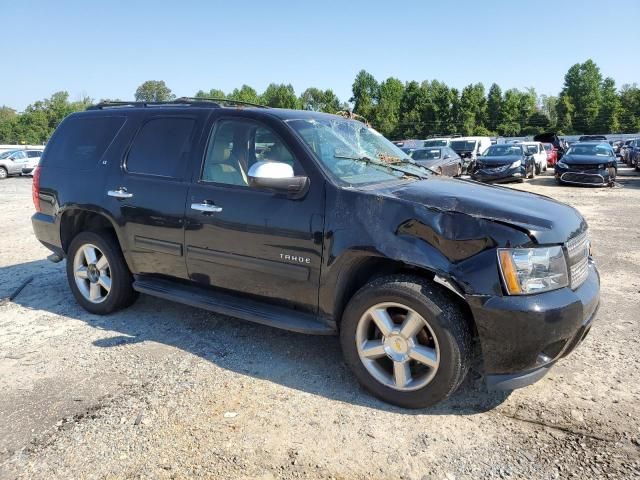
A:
{"x": 545, "y": 220}
{"x": 585, "y": 159}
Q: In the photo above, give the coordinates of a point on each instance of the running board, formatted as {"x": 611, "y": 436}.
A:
{"x": 233, "y": 306}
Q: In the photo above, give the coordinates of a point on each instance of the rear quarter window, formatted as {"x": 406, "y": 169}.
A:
{"x": 80, "y": 142}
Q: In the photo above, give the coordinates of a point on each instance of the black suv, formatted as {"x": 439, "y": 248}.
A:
{"x": 316, "y": 223}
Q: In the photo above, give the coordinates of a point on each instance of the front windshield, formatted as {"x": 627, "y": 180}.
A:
{"x": 435, "y": 143}
{"x": 597, "y": 150}
{"x": 503, "y": 151}
{"x": 463, "y": 145}
{"x": 426, "y": 154}
{"x": 7, "y": 154}
{"x": 354, "y": 153}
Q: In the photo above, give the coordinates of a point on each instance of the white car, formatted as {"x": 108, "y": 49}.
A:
{"x": 33, "y": 159}
{"x": 539, "y": 155}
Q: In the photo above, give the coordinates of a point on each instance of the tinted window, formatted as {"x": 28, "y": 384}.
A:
{"x": 503, "y": 150}
{"x": 236, "y": 146}
{"x": 33, "y": 153}
{"x": 426, "y": 154}
{"x": 82, "y": 140}
{"x": 161, "y": 146}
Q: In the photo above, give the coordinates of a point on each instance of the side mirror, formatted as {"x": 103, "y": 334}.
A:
{"x": 278, "y": 177}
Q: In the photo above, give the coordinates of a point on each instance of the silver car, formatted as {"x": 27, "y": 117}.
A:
{"x": 13, "y": 161}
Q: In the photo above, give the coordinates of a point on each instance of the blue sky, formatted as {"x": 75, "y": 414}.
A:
{"x": 106, "y": 49}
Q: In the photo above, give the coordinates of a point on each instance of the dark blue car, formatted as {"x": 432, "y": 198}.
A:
{"x": 588, "y": 163}
{"x": 504, "y": 163}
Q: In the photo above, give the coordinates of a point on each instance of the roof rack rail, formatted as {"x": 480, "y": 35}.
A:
{"x": 220, "y": 100}
{"x": 182, "y": 101}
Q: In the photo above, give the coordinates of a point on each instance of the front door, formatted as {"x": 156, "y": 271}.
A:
{"x": 249, "y": 240}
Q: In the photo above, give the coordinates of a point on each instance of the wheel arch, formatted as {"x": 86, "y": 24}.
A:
{"x": 75, "y": 220}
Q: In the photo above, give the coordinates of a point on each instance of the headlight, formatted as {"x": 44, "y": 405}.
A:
{"x": 601, "y": 166}
{"x": 517, "y": 163}
{"x": 563, "y": 165}
{"x": 533, "y": 270}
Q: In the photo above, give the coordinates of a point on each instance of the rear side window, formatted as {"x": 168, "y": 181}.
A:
{"x": 81, "y": 141}
{"x": 161, "y": 146}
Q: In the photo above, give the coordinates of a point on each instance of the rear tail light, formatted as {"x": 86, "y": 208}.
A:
{"x": 35, "y": 188}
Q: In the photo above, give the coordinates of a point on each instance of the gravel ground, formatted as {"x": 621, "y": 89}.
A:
{"x": 168, "y": 391}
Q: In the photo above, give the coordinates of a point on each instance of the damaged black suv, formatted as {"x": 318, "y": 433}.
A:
{"x": 316, "y": 223}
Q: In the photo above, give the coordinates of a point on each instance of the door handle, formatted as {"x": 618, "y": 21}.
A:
{"x": 121, "y": 192}
{"x": 206, "y": 207}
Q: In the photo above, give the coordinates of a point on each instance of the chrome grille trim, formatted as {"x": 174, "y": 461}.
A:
{"x": 578, "y": 257}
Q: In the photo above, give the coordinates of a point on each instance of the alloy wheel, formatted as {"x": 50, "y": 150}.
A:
{"x": 397, "y": 346}
{"x": 92, "y": 273}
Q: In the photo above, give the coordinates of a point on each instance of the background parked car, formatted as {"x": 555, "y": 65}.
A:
{"x": 539, "y": 155}
{"x": 633, "y": 154}
{"x": 11, "y": 162}
{"x": 592, "y": 138}
{"x": 505, "y": 162}
{"x": 443, "y": 160}
{"x": 553, "y": 139}
{"x": 469, "y": 148}
{"x": 552, "y": 154}
{"x": 624, "y": 150}
{"x": 33, "y": 159}
{"x": 588, "y": 163}
{"x": 437, "y": 142}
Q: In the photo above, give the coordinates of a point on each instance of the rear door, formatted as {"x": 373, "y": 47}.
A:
{"x": 249, "y": 240}
{"x": 148, "y": 191}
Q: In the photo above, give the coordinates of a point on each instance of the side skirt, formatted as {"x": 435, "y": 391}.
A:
{"x": 233, "y": 306}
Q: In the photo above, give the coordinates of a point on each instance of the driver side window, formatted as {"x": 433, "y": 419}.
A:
{"x": 236, "y": 145}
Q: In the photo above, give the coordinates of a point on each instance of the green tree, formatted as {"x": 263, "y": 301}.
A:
{"x": 582, "y": 85}
{"x": 244, "y": 94}
{"x": 280, "y": 96}
{"x": 213, "y": 93}
{"x": 608, "y": 120}
{"x": 8, "y": 118}
{"x": 527, "y": 105}
{"x": 154, "y": 91}
{"x": 547, "y": 106}
{"x": 366, "y": 91}
{"x": 473, "y": 106}
{"x": 412, "y": 105}
{"x": 510, "y": 119}
{"x": 387, "y": 112}
{"x": 564, "y": 114}
{"x": 630, "y": 108}
{"x": 319, "y": 101}
{"x": 494, "y": 107}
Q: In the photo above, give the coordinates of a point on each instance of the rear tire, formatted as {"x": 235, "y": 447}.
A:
{"x": 104, "y": 284}
{"x": 425, "y": 353}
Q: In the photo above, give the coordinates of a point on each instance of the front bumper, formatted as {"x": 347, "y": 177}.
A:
{"x": 494, "y": 175}
{"x": 523, "y": 336}
{"x": 595, "y": 177}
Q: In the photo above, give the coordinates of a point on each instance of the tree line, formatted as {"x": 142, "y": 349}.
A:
{"x": 588, "y": 103}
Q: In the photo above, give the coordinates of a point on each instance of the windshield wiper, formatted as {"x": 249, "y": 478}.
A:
{"x": 413, "y": 162}
{"x": 390, "y": 166}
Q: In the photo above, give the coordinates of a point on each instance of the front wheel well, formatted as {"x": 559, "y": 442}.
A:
{"x": 366, "y": 270}
{"x": 75, "y": 221}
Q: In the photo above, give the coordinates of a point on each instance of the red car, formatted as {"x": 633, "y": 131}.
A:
{"x": 552, "y": 154}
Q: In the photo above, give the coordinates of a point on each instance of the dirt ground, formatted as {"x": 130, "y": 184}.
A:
{"x": 168, "y": 391}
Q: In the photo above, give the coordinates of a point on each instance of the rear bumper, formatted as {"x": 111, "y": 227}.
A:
{"x": 47, "y": 232}
{"x": 523, "y": 336}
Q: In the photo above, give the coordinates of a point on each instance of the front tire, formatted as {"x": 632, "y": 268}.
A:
{"x": 98, "y": 274}
{"x": 3, "y": 173}
{"x": 406, "y": 340}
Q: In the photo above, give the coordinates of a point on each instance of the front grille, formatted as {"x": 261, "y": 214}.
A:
{"x": 578, "y": 255}
{"x": 584, "y": 167}
{"x": 583, "y": 178}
